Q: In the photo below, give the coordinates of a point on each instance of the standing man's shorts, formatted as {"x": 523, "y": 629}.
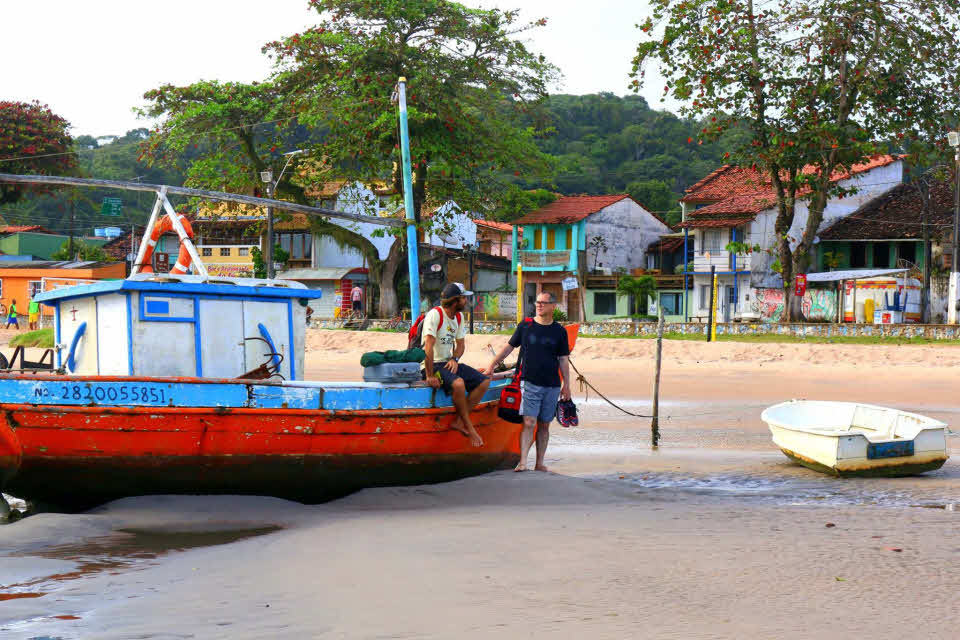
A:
{"x": 357, "y": 305}
{"x": 12, "y": 320}
{"x": 539, "y": 402}
{"x": 470, "y": 376}
{"x": 34, "y": 317}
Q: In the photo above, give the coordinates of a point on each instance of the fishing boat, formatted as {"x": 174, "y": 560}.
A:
{"x": 185, "y": 383}
{"x": 853, "y": 439}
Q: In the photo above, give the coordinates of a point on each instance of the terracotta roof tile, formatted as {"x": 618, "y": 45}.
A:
{"x": 569, "y": 209}
{"x": 737, "y": 191}
{"x": 36, "y": 228}
{"x": 499, "y": 226}
{"x": 896, "y": 215}
{"x": 725, "y": 182}
{"x": 665, "y": 244}
{"x": 716, "y": 222}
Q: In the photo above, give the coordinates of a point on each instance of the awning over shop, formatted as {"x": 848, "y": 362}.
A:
{"x": 775, "y": 282}
{"x": 320, "y": 273}
{"x": 851, "y": 274}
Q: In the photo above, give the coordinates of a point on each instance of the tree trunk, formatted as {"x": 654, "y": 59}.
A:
{"x": 389, "y": 304}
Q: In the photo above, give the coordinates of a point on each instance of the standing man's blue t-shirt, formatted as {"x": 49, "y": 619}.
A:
{"x": 543, "y": 345}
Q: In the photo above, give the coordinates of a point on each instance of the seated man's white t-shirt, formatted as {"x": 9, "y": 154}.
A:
{"x": 449, "y": 333}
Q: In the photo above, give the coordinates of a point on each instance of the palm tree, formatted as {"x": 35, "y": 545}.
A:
{"x": 640, "y": 288}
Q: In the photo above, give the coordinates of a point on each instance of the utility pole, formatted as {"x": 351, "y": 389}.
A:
{"x": 470, "y": 254}
{"x": 268, "y": 254}
{"x": 73, "y": 210}
{"x": 953, "y": 138}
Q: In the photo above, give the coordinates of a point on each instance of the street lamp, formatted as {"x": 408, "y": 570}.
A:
{"x": 953, "y": 137}
{"x": 266, "y": 176}
{"x": 469, "y": 249}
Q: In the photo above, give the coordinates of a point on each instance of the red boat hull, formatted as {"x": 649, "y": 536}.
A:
{"x": 80, "y": 456}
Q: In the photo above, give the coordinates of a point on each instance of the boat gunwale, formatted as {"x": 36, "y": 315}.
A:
{"x": 927, "y": 422}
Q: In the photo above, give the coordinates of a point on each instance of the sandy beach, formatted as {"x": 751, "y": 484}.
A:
{"x": 713, "y": 535}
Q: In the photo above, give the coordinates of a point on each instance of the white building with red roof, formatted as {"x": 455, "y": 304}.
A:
{"x": 734, "y": 204}
{"x": 559, "y": 242}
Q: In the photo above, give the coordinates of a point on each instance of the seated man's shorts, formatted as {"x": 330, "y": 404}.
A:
{"x": 470, "y": 376}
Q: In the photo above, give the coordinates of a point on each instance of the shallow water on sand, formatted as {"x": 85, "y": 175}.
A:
{"x": 124, "y": 550}
{"x": 723, "y": 451}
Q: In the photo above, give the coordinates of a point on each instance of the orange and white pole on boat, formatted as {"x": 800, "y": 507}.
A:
{"x": 184, "y": 259}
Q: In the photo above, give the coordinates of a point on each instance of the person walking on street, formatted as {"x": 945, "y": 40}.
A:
{"x": 545, "y": 349}
{"x": 33, "y": 315}
{"x": 444, "y": 343}
{"x": 12, "y": 315}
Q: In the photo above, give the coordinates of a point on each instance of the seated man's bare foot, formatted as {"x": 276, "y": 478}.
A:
{"x": 475, "y": 439}
{"x": 520, "y": 467}
{"x": 457, "y": 425}
{"x": 541, "y": 467}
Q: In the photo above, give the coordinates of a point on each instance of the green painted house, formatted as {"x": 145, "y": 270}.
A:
{"x": 36, "y": 241}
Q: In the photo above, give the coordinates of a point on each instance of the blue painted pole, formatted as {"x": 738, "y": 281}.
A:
{"x": 686, "y": 237}
{"x": 413, "y": 260}
{"x": 736, "y": 293}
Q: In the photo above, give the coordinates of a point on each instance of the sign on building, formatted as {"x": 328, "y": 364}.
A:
{"x": 570, "y": 283}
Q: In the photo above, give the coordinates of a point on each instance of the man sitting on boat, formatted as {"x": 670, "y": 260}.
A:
{"x": 443, "y": 341}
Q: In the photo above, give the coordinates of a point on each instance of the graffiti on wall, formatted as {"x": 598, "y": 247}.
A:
{"x": 768, "y": 304}
{"x": 496, "y": 304}
{"x": 817, "y": 305}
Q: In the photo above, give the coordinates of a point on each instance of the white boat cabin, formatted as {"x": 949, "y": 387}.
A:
{"x": 167, "y": 325}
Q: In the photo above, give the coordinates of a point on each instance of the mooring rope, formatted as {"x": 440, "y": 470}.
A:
{"x": 585, "y": 386}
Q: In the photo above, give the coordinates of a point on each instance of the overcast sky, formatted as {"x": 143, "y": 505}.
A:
{"x": 91, "y": 61}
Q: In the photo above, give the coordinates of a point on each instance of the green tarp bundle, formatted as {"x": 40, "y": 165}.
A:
{"x": 373, "y": 358}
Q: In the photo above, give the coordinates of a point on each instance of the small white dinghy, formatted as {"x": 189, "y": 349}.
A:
{"x": 852, "y": 439}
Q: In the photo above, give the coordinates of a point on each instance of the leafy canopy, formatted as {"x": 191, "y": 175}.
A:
{"x": 819, "y": 84}
{"x": 470, "y": 82}
{"x": 82, "y": 249}
{"x": 33, "y": 140}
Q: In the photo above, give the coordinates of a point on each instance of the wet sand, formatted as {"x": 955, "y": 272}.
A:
{"x": 713, "y": 535}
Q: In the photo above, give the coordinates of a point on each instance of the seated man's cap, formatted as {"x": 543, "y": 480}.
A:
{"x": 454, "y": 289}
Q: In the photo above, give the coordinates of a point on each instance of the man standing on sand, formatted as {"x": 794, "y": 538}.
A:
{"x": 444, "y": 343}
{"x": 33, "y": 315}
{"x": 12, "y": 315}
{"x": 545, "y": 356}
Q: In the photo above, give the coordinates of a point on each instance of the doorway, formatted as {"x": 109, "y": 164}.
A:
{"x": 529, "y": 298}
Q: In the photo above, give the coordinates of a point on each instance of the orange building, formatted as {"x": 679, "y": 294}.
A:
{"x": 20, "y": 281}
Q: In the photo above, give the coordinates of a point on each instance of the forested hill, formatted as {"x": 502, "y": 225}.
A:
{"x": 607, "y": 144}
{"x": 601, "y": 143}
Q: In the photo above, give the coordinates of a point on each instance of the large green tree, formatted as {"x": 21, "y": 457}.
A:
{"x": 33, "y": 140}
{"x": 470, "y": 84}
{"x": 819, "y": 84}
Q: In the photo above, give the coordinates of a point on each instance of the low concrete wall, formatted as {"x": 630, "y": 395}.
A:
{"x": 627, "y": 329}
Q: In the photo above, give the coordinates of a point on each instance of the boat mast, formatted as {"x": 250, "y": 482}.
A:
{"x": 413, "y": 260}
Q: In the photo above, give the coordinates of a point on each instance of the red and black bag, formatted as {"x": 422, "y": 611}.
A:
{"x": 510, "y": 396}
